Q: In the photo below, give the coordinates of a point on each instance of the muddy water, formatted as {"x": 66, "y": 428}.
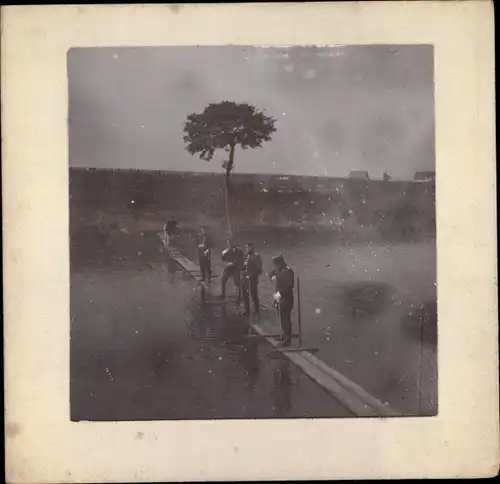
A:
{"x": 143, "y": 346}
{"x": 370, "y": 309}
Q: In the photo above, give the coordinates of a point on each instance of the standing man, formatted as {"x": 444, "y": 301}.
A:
{"x": 170, "y": 229}
{"x": 205, "y": 245}
{"x": 285, "y": 280}
{"x": 234, "y": 257}
{"x": 251, "y": 273}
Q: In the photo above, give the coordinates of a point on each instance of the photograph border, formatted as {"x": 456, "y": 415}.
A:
{"x": 42, "y": 445}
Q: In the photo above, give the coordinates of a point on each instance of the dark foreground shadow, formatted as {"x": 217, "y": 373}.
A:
{"x": 367, "y": 297}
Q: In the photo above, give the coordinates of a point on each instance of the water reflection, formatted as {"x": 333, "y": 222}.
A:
{"x": 420, "y": 323}
{"x": 214, "y": 322}
{"x": 282, "y": 391}
{"x": 229, "y": 332}
{"x": 371, "y": 298}
{"x": 379, "y": 350}
{"x": 247, "y": 355}
{"x": 143, "y": 345}
{"x": 172, "y": 269}
{"x": 202, "y": 323}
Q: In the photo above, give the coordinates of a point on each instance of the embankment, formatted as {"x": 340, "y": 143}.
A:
{"x": 352, "y": 209}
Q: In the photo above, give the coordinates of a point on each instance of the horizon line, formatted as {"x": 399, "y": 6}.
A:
{"x": 152, "y": 170}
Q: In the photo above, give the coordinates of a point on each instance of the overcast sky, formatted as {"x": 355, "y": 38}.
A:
{"x": 337, "y": 108}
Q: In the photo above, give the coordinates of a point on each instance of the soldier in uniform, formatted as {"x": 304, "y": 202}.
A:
{"x": 205, "y": 245}
{"x": 170, "y": 229}
{"x": 234, "y": 257}
{"x": 251, "y": 273}
{"x": 284, "y": 278}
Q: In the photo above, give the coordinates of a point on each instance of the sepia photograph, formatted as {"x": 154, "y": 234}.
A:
{"x": 252, "y": 232}
{"x": 249, "y": 242}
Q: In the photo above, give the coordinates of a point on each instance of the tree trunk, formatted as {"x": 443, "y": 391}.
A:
{"x": 227, "y": 190}
{"x": 230, "y": 164}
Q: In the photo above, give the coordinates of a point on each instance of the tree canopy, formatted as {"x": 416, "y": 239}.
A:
{"x": 226, "y": 125}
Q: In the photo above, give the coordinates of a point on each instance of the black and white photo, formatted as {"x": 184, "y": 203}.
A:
{"x": 252, "y": 232}
{"x": 249, "y": 242}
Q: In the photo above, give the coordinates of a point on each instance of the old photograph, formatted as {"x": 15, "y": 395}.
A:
{"x": 249, "y": 242}
{"x": 252, "y": 232}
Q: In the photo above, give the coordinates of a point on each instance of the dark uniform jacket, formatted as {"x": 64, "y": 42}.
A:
{"x": 253, "y": 265}
{"x": 171, "y": 227}
{"x": 285, "y": 281}
{"x": 204, "y": 242}
{"x": 234, "y": 258}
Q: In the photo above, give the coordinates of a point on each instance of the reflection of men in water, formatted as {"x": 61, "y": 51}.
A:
{"x": 234, "y": 258}
{"x": 282, "y": 388}
{"x": 170, "y": 230}
{"x": 172, "y": 268}
{"x": 248, "y": 357}
{"x": 203, "y": 323}
{"x": 284, "y": 277}
{"x": 205, "y": 245}
{"x": 251, "y": 273}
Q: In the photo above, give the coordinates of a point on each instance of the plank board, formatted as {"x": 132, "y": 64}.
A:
{"x": 220, "y": 301}
{"x": 267, "y": 335}
{"x": 360, "y": 403}
{"x": 291, "y": 349}
{"x": 352, "y": 387}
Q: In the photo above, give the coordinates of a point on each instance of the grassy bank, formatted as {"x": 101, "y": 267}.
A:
{"x": 350, "y": 209}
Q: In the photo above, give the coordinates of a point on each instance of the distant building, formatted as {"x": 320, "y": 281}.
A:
{"x": 387, "y": 177}
{"x": 424, "y": 176}
{"x": 359, "y": 175}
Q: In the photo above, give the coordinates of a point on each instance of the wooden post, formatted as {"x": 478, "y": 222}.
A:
{"x": 421, "y": 349}
{"x": 299, "y": 315}
{"x": 250, "y": 321}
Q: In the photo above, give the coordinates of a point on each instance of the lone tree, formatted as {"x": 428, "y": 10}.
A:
{"x": 226, "y": 125}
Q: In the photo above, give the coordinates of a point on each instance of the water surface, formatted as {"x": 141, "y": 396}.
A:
{"x": 143, "y": 346}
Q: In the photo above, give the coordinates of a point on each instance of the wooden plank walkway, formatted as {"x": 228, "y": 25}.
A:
{"x": 350, "y": 394}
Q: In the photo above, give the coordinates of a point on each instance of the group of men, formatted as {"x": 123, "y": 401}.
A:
{"x": 245, "y": 268}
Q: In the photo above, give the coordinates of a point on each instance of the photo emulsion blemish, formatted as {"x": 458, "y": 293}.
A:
{"x": 252, "y": 232}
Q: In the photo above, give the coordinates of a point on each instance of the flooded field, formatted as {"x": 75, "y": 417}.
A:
{"x": 143, "y": 347}
{"x": 142, "y": 344}
{"x": 368, "y": 298}
{"x": 369, "y": 308}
